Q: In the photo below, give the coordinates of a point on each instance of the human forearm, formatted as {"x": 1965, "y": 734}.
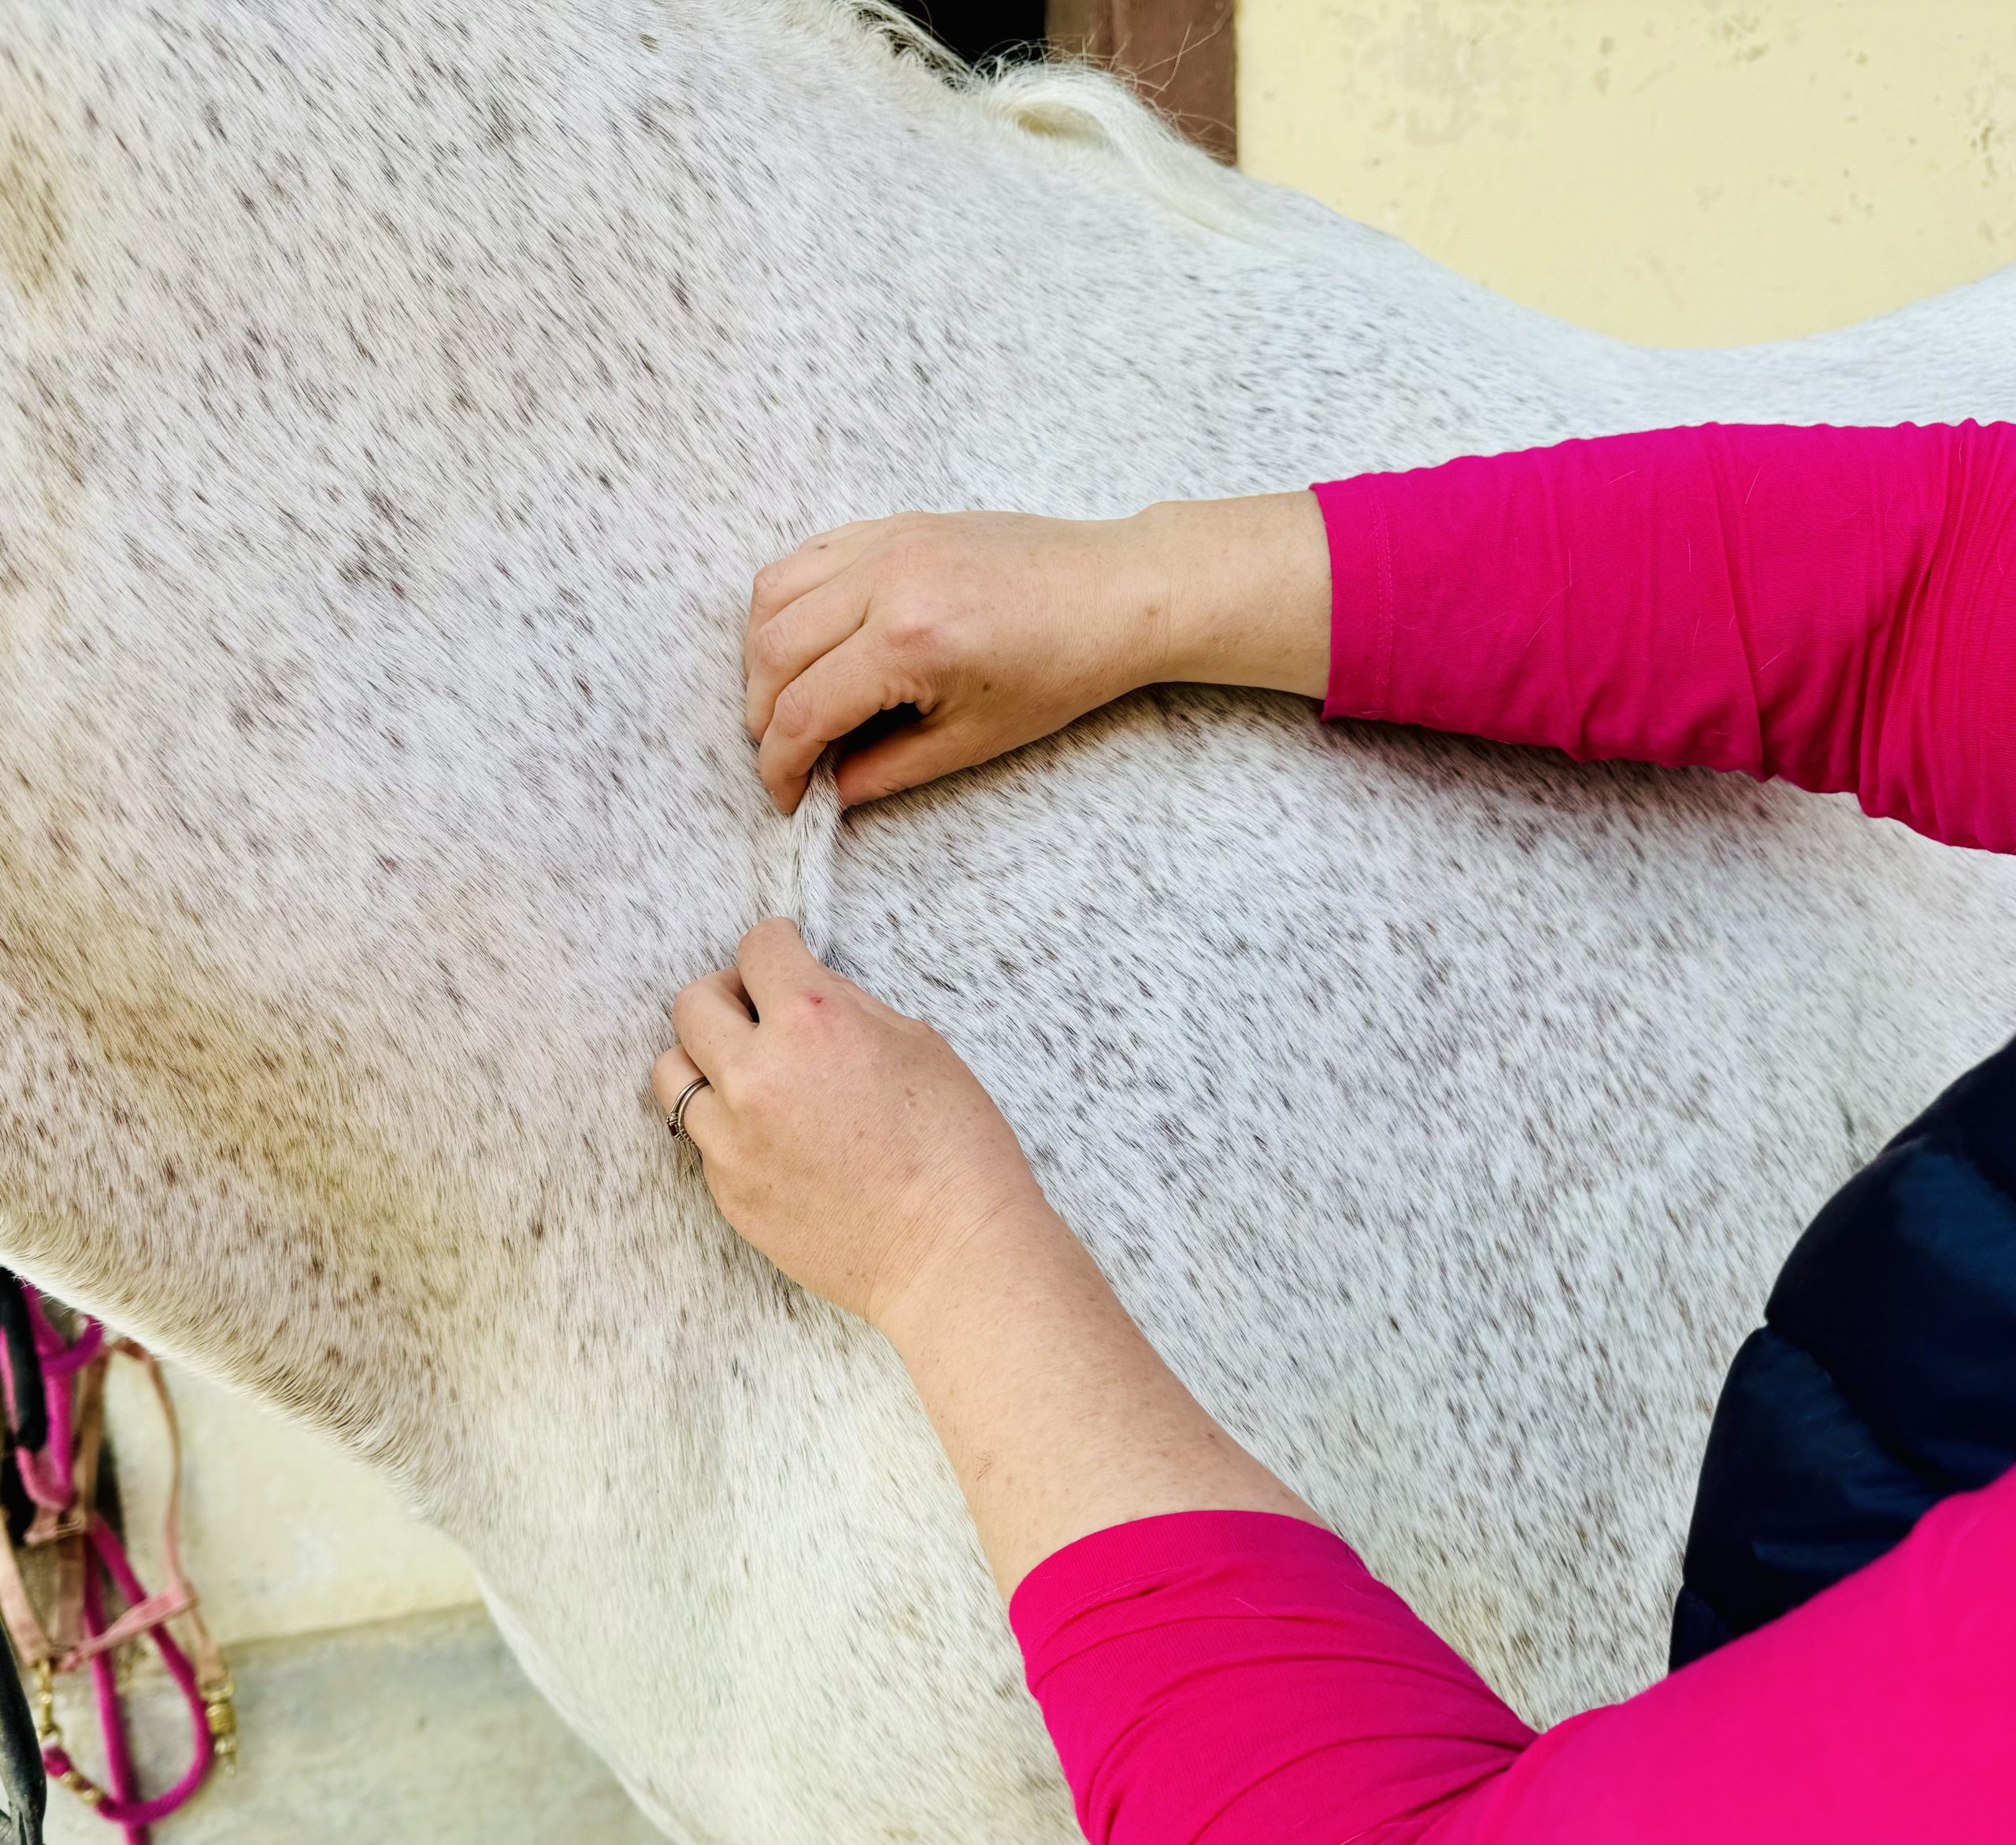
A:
{"x": 852, "y": 1146}
{"x": 1246, "y": 596}
{"x": 1059, "y": 1418}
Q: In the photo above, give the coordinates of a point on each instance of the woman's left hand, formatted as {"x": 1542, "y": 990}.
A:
{"x": 846, "y": 1142}
{"x": 852, "y": 1146}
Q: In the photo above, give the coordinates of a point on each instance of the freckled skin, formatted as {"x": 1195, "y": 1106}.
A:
{"x": 389, "y": 433}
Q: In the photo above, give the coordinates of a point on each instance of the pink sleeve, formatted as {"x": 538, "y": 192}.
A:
{"x": 1238, "y": 1676}
{"x": 1241, "y": 1675}
{"x": 1882, "y": 1709}
{"x": 1832, "y": 606}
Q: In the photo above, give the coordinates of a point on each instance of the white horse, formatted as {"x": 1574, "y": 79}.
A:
{"x": 395, "y": 398}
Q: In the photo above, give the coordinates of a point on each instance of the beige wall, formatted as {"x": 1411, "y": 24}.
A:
{"x": 282, "y": 1533}
{"x": 1678, "y": 171}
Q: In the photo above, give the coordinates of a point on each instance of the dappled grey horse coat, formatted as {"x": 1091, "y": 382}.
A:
{"x": 395, "y": 400}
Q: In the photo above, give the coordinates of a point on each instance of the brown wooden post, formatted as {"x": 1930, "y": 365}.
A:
{"x": 1180, "y": 54}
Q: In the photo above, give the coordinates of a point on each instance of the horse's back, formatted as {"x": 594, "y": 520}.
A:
{"x": 386, "y": 449}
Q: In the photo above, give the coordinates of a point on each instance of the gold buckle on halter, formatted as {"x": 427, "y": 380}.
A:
{"x": 49, "y": 1734}
{"x": 220, "y": 1713}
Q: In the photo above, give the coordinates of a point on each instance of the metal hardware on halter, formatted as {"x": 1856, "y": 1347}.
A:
{"x": 220, "y": 1713}
{"x": 65, "y": 1379}
{"x": 49, "y": 1733}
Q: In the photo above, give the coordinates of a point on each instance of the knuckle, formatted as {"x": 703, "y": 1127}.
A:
{"x": 913, "y": 630}
{"x": 808, "y": 1012}
{"x": 752, "y": 1091}
{"x": 793, "y": 711}
{"x": 772, "y": 648}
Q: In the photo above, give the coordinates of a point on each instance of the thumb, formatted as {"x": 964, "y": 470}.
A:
{"x": 906, "y": 758}
{"x": 772, "y": 958}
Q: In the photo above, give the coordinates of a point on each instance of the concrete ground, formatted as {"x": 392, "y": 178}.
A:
{"x": 419, "y": 1731}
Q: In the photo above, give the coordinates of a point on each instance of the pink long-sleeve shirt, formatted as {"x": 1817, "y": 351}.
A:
{"x": 1833, "y": 606}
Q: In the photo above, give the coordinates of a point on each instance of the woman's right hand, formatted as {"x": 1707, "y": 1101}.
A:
{"x": 1000, "y": 628}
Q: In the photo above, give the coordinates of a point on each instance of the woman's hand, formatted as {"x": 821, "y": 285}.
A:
{"x": 846, "y": 1142}
{"x": 998, "y": 628}
{"x": 850, "y": 1145}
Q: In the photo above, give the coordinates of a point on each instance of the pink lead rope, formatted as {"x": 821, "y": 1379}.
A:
{"x": 61, "y": 1480}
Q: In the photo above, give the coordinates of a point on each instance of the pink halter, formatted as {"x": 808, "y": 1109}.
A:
{"x": 62, "y": 1480}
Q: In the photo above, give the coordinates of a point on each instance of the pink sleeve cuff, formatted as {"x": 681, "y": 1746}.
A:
{"x": 1147, "y": 1554}
{"x": 1362, "y": 622}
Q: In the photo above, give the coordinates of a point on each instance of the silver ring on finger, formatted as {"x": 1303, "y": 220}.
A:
{"x": 675, "y": 1120}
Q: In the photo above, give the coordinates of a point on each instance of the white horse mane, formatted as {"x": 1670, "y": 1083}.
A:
{"x": 1087, "y": 113}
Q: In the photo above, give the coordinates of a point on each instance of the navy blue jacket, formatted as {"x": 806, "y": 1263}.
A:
{"x": 1884, "y": 1377}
